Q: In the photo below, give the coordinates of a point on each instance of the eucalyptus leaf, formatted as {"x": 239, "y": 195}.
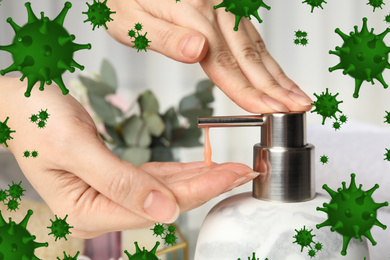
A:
{"x": 113, "y": 132}
{"x": 162, "y": 154}
{"x": 148, "y": 102}
{"x": 192, "y": 115}
{"x": 154, "y": 123}
{"x": 203, "y": 85}
{"x": 135, "y": 132}
{"x": 171, "y": 122}
{"x": 108, "y": 75}
{"x": 189, "y": 103}
{"x": 136, "y": 155}
{"x": 106, "y": 111}
{"x": 96, "y": 87}
{"x": 187, "y": 138}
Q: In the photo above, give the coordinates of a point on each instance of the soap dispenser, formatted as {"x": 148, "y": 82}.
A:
{"x": 278, "y": 219}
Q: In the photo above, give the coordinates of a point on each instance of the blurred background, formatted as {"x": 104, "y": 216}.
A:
{"x": 358, "y": 147}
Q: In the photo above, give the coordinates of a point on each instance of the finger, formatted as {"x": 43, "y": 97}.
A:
{"x": 119, "y": 181}
{"x": 274, "y": 68}
{"x": 174, "y": 41}
{"x": 251, "y": 63}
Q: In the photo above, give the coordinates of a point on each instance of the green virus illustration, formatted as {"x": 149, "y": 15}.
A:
{"x": 170, "y": 239}
{"x": 301, "y": 38}
{"x": 314, "y": 3}
{"x": 387, "y": 18}
{"x": 41, "y": 124}
{"x": 5, "y": 132}
{"x": 34, "y": 118}
{"x": 376, "y": 4}
{"x": 15, "y": 191}
{"x": 351, "y": 212}
{"x": 26, "y": 154}
{"x": 143, "y": 254}
{"x": 304, "y": 41}
{"x": 318, "y": 246}
{"x": 12, "y": 204}
{"x": 34, "y": 154}
{"x": 158, "y": 229}
{"x": 387, "y": 155}
{"x": 243, "y": 8}
{"x": 312, "y": 253}
{"x": 387, "y": 117}
{"x": 336, "y": 125}
{"x": 171, "y": 229}
{"x": 59, "y": 228}
{"x": 304, "y": 238}
{"x": 140, "y": 41}
{"x": 300, "y": 34}
{"x": 16, "y": 240}
{"x": 363, "y": 56}
{"x": 43, "y": 115}
{"x": 253, "y": 257}
{"x": 326, "y": 105}
{"x": 98, "y": 14}
{"x": 42, "y": 50}
{"x": 324, "y": 159}
{"x": 3, "y": 195}
{"x": 343, "y": 119}
{"x": 69, "y": 257}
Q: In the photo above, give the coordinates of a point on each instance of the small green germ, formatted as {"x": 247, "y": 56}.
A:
{"x": 132, "y": 33}
{"x": 13, "y": 204}
{"x": 3, "y": 195}
{"x": 326, "y": 105}
{"x": 158, "y": 229}
{"x": 26, "y": 154}
{"x": 43, "y": 115}
{"x": 318, "y": 246}
{"x": 375, "y": 4}
{"x": 387, "y": 18}
{"x": 253, "y": 257}
{"x": 304, "y": 41}
{"x": 387, "y": 155}
{"x": 304, "y": 34}
{"x": 170, "y": 239}
{"x": 34, "y": 118}
{"x": 298, "y": 34}
{"x": 387, "y": 117}
{"x": 138, "y": 27}
{"x": 171, "y": 228}
{"x": 304, "y": 238}
{"x": 315, "y": 3}
{"x": 15, "y": 190}
{"x": 41, "y": 124}
{"x": 312, "y": 253}
{"x": 60, "y": 228}
{"x": 343, "y": 119}
{"x": 34, "y": 154}
{"x": 143, "y": 254}
{"x": 336, "y": 125}
{"x": 69, "y": 257}
{"x": 5, "y": 132}
{"x": 324, "y": 159}
{"x": 297, "y": 41}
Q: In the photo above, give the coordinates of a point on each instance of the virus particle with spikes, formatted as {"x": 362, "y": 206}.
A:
{"x": 253, "y": 257}
{"x": 42, "y": 50}
{"x": 158, "y": 229}
{"x": 143, "y": 254}
{"x": 343, "y": 119}
{"x": 98, "y": 14}
{"x": 300, "y": 34}
{"x": 363, "y": 56}
{"x": 34, "y": 154}
{"x": 375, "y": 4}
{"x": 170, "y": 239}
{"x": 301, "y": 38}
{"x": 41, "y": 124}
{"x": 3, "y": 195}
{"x": 43, "y": 115}
{"x": 5, "y": 132}
{"x": 59, "y": 228}
{"x": 387, "y": 117}
{"x": 243, "y": 8}
{"x": 34, "y": 118}
{"x": 351, "y": 212}
{"x": 312, "y": 253}
{"x": 12, "y": 204}
{"x": 324, "y": 159}
{"x": 304, "y": 41}
{"x": 15, "y": 191}
{"x": 69, "y": 257}
{"x": 387, "y": 155}
{"x": 326, "y": 105}
{"x": 17, "y": 242}
{"x": 140, "y": 41}
{"x": 336, "y": 125}
{"x": 318, "y": 246}
{"x": 315, "y": 3}
{"x": 26, "y": 154}
{"x": 304, "y": 238}
{"x": 387, "y": 18}
{"x": 171, "y": 229}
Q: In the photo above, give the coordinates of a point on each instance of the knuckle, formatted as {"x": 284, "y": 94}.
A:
{"x": 261, "y": 47}
{"x": 166, "y": 38}
{"x": 225, "y": 58}
{"x": 118, "y": 186}
{"x": 250, "y": 53}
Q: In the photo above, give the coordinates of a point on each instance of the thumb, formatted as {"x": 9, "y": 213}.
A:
{"x": 122, "y": 182}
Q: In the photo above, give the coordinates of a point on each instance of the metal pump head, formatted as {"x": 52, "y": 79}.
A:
{"x": 283, "y": 158}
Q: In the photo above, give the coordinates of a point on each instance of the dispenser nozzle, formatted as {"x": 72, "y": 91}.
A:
{"x": 227, "y": 121}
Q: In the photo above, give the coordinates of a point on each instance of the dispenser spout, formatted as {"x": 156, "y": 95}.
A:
{"x": 227, "y": 121}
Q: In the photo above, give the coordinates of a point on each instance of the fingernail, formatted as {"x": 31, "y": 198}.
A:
{"x": 304, "y": 101}
{"x": 272, "y": 103}
{"x": 160, "y": 208}
{"x": 235, "y": 184}
{"x": 192, "y": 46}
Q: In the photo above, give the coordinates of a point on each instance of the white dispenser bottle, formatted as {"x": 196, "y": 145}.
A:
{"x": 278, "y": 219}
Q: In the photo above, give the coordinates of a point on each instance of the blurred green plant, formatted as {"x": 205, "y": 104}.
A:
{"x": 147, "y": 135}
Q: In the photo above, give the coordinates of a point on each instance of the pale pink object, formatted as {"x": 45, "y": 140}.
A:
{"x": 207, "y": 147}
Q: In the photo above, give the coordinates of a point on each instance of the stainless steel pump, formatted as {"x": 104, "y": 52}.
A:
{"x": 283, "y": 157}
